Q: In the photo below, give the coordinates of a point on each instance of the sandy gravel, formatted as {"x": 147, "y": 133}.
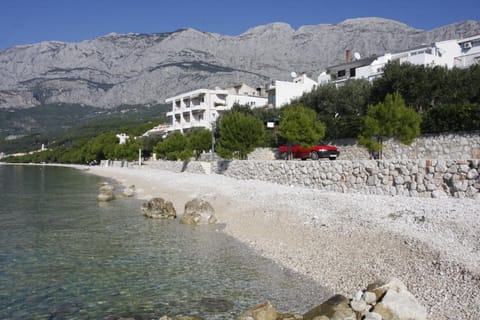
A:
{"x": 343, "y": 241}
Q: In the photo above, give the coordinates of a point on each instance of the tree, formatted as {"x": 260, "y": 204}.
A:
{"x": 390, "y": 119}
{"x": 300, "y": 125}
{"x": 129, "y": 150}
{"x": 239, "y": 134}
{"x": 340, "y": 109}
{"x": 199, "y": 139}
{"x": 174, "y": 147}
{"x": 451, "y": 118}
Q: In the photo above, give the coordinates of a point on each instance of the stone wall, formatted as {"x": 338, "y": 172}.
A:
{"x": 422, "y": 178}
{"x": 180, "y": 166}
{"x": 445, "y": 146}
{"x": 442, "y": 146}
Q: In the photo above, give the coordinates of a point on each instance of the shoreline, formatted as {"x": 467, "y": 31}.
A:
{"x": 341, "y": 241}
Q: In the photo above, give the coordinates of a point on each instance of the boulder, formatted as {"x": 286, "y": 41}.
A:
{"x": 159, "y": 208}
{"x": 335, "y": 308}
{"x": 129, "y": 191}
{"x": 198, "y": 212}
{"x": 106, "y": 196}
{"x": 398, "y": 304}
{"x": 181, "y": 318}
{"x": 106, "y": 192}
{"x": 263, "y": 311}
{"x": 106, "y": 188}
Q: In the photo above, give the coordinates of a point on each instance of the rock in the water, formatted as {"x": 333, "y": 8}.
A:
{"x": 181, "y": 318}
{"x": 197, "y": 212}
{"x": 106, "y": 196}
{"x": 105, "y": 188}
{"x": 106, "y": 192}
{"x": 129, "y": 191}
{"x": 399, "y": 304}
{"x": 335, "y": 308}
{"x": 264, "y": 311}
{"x": 289, "y": 316}
{"x": 159, "y": 208}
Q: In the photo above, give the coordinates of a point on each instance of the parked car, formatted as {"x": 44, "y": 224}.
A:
{"x": 316, "y": 152}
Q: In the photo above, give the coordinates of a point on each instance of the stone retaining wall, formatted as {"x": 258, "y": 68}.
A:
{"x": 444, "y": 146}
{"x": 422, "y": 178}
{"x": 181, "y": 166}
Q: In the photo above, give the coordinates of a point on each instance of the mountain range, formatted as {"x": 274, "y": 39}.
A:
{"x": 144, "y": 69}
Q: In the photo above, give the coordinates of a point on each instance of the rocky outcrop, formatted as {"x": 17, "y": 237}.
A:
{"x": 147, "y": 68}
{"x": 198, "y": 212}
{"x": 159, "y": 208}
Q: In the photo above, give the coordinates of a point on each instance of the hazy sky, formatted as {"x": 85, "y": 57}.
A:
{"x": 31, "y": 21}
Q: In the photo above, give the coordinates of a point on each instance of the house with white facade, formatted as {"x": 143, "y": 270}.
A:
{"x": 470, "y": 52}
{"x": 281, "y": 93}
{"x": 158, "y": 130}
{"x": 202, "y": 107}
{"x": 450, "y": 53}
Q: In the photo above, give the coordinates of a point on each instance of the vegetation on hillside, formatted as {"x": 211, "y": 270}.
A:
{"x": 407, "y": 100}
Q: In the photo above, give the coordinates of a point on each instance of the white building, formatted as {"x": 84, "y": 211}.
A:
{"x": 160, "y": 130}
{"x": 202, "y": 107}
{"x": 122, "y": 137}
{"x": 281, "y": 93}
{"x": 450, "y": 53}
{"x": 470, "y": 52}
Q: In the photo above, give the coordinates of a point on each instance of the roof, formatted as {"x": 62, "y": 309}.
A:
{"x": 353, "y": 64}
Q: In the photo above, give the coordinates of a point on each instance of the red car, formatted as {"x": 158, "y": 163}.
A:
{"x": 316, "y": 152}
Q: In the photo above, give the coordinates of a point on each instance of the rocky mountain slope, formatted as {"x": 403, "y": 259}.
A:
{"x": 147, "y": 68}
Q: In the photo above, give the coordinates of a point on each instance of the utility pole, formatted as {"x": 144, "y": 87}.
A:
{"x": 213, "y": 141}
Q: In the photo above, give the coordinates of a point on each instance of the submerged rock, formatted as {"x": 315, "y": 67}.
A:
{"x": 159, "y": 208}
{"x": 198, "y": 212}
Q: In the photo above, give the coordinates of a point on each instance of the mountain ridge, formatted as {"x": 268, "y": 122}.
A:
{"x": 137, "y": 68}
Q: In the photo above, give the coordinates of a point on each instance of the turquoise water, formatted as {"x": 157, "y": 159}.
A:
{"x": 65, "y": 256}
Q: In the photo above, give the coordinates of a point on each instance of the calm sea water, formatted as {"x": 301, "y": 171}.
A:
{"x": 65, "y": 256}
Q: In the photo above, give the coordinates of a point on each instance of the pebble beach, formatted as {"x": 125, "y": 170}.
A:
{"x": 343, "y": 241}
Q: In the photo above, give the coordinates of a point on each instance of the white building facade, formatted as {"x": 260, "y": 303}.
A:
{"x": 450, "y": 53}
{"x": 281, "y": 93}
{"x": 202, "y": 107}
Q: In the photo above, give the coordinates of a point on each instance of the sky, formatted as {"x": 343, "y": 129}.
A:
{"x": 32, "y": 21}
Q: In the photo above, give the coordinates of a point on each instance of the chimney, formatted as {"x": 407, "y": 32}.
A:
{"x": 348, "y": 56}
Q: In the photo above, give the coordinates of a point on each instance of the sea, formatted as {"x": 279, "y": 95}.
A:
{"x": 63, "y": 255}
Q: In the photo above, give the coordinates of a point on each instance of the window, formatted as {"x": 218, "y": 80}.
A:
{"x": 352, "y": 72}
{"x": 341, "y": 73}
